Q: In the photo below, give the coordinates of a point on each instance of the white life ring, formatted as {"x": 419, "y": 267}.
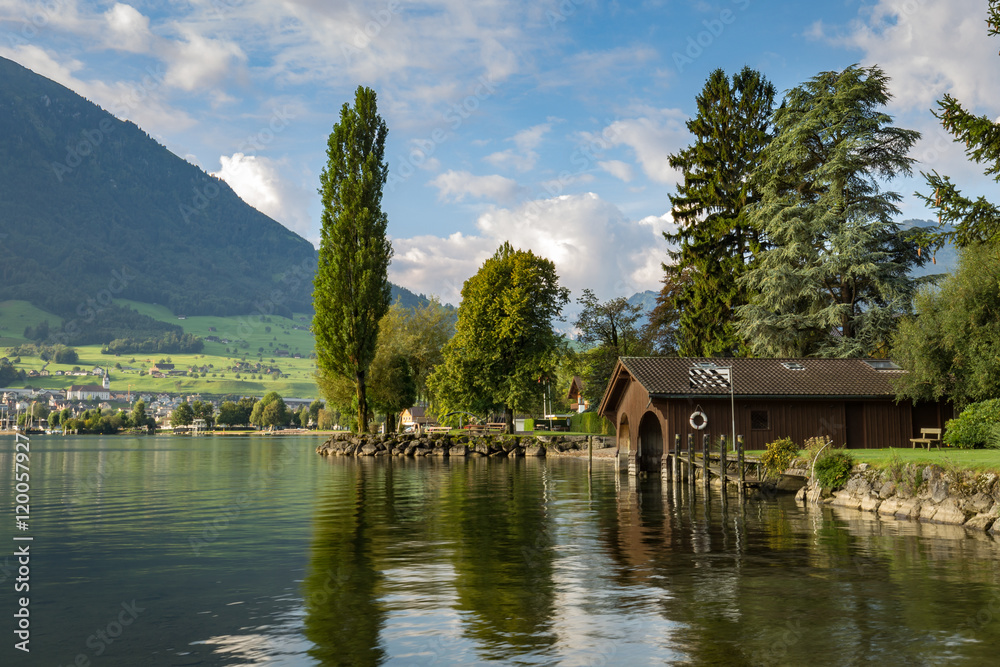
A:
{"x": 695, "y": 415}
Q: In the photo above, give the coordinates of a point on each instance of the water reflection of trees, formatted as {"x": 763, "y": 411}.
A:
{"x": 502, "y": 541}
{"x": 771, "y": 583}
{"x": 380, "y": 523}
{"x": 343, "y": 614}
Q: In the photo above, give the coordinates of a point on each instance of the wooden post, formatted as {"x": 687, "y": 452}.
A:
{"x": 722, "y": 462}
{"x": 739, "y": 457}
{"x": 706, "y": 475}
{"x": 674, "y": 464}
{"x": 690, "y": 465}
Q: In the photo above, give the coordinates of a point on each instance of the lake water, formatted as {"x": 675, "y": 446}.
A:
{"x": 256, "y": 551}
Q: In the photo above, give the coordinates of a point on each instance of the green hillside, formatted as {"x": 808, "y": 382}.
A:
{"x": 251, "y": 340}
{"x": 91, "y": 208}
{"x": 15, "y": 316}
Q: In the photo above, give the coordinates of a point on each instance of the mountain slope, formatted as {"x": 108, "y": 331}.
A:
{"x": 92, "y": 207}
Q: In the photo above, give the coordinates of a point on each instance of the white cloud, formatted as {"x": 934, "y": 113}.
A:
{"x": 524, "y": 157}
{"x": 591, "y": 242}
{"x": 652, "y": 135}
{"x": 456, "y": 185}
{"x": 261, "y": 182}
{"x": 199, "y": 62}
{"x": 928, "y": 48}
{"x": 618, "y": 169}
{"x": 127, "y": 29}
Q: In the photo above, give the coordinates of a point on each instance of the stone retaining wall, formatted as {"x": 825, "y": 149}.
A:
{"x": 926, "y": 493}
{"x": 438, "y": 444}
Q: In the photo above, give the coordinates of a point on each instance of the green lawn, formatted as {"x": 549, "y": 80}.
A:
{"x": 972, "y": 459}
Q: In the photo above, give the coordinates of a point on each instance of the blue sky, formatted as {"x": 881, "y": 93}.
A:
{"x": 548, "y": 123}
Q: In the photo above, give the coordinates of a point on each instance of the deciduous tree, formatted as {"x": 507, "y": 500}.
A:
{"x": 230, "y": 414}
{"x": 351, "y": 287}
{"x": 504, "y": 341}
{"x": 393, "y": 388}
{"x": 182, "y": 415}
{"x": 951, "y": 348}
{"x": 609, "y": 329}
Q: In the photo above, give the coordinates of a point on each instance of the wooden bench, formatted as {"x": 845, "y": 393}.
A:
{"x": 928, "y": 437}
{"x": 496, "y": 426}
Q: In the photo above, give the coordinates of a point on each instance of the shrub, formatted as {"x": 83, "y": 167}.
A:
{"x": 778, "y": 456}
{"x": 814, "y": 446}
{"x": 590, "y": 422}
{"x": 993, "y": 441}
{"x": 972, "y": 428}
{"x": 529, "y": 424}
{"x": 833, "y": 468}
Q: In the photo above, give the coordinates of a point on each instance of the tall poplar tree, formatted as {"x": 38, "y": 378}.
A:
{"x": 351, "y": 286}
{"x": 975, "y": 220}
{"x": 833, "y": 280}
{"x": 715, "y": 242}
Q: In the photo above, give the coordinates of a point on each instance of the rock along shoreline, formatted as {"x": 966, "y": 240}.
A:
{"x": 445, "y": 445}
{"x": 928, "y": 493}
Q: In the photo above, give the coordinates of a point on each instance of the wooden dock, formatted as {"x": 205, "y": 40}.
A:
{"x": 729, "y": 466}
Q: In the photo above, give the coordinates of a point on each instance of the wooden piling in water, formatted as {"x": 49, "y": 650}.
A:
{"x": 705, "y": 473}
{"x": 739, "y": 458}
{"x": 674, "y": 464}
{"x": 722, "y": 462}
{"x": 690, "y": 462}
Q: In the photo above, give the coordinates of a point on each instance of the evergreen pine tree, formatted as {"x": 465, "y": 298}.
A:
{"x": 715, "y": 242}
{"x": 835, "y": 277}
{"x": 351, "y": 286}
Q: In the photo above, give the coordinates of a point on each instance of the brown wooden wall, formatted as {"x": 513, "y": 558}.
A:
{"x": 855, "y": 424}
{"x": 864, "y": 423}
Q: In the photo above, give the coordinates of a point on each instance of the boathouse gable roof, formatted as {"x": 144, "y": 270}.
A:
{"x": 802, "y": 378}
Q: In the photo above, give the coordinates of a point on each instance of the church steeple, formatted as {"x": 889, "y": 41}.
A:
{"x": 107, "y": 379}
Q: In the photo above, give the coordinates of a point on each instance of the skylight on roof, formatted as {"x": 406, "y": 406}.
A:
{"x": 705, "y": 364}
{"x": 883, "y": 365}
{"x": 793, "y": 365}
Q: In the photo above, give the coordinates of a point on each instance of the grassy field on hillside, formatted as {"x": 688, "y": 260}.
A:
{"x": 251, "y": 339}
{"x": 16, "y": 315}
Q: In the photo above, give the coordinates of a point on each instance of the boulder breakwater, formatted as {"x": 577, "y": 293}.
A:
{"x": 930, "y": 493}
{"x": 446, "y": 445}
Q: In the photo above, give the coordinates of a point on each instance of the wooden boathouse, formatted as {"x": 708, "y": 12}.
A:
{"x": 651, "y": 400}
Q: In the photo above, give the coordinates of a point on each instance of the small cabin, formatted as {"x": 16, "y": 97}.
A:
{"x": 414, "y": 415}
{"x": 653, "y": 400}
{"x": 577, "y": 403}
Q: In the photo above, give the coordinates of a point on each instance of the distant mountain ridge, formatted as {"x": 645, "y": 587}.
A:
{"x": 92, "y": 208}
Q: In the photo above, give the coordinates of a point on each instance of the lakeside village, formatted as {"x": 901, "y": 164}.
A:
{"x": 83, "y": 408}
{"x": 97, "y": 408}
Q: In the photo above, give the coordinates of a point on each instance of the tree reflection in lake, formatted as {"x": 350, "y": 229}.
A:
{"x": 771, "y": 582}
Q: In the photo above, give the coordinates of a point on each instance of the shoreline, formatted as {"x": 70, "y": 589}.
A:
{"x": 928, "y": 494}
{"x": 465, "y": 445}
